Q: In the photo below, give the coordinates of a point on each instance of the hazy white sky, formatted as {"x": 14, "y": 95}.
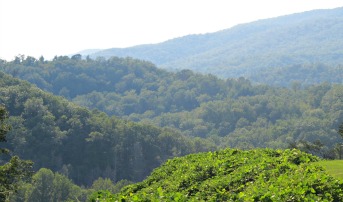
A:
{"x": 61, "y": 27}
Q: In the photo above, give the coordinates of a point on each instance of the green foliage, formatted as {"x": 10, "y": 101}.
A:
{"x": 255, "y": 48}
{"x": 201, "y": 112}
{"x": 124, "y": 86}
{"x": 85, "y": 145}
{"x": 230, "y": 112}
{"x": 340, "y": 130}
{"x": 225, "y": 113}
{"x": 305, "y": 74}
{"x": 235, "y": 175}
{"x": 49, "y": 186}
{"x": 13, "y": 172}
{"x": 107, "y": 185}
{"x": 4, "y": 128}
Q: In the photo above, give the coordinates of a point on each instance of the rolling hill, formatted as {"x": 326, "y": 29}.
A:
{"x": 230, "y": 112}
{"x": 82, "y": 144}
{"x": 244, "y": 50}
{"x": 235, "y": 175}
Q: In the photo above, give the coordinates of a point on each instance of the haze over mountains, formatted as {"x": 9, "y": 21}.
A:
{"x": 95, "y": 121}
{"x": 313, "y": 37}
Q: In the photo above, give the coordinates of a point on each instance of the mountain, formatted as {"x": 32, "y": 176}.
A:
{"x": 231, "y": 112}
{"x": 89, "y": 51}
{"x": 82, "y": 144}
{"x": 129, "y": 85}
{"x": 235, "y": 175}
{"x": 244, "y": 50}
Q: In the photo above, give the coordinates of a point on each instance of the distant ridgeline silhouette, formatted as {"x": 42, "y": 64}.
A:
{"x": 308, "y": 38}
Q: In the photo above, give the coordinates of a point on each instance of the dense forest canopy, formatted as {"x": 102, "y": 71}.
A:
{"x": 175, "y": 113}
{"x": 128, "y": 85}
{"x": 13, "y": 170}
{"x": 308, "y": 38}
{"x": 105, "y": 121}
{"x": 230, "y": 112}
{"x": 84, "y": 144}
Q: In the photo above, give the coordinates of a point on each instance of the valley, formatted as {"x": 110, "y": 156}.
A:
{"x": 249, "y": 113}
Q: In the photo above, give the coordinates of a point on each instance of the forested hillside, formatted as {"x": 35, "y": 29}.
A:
{"x": 230, "y": 112}
{"x": 309, "y": 38}
{"x": 235, "y": 175}
{"x": 249, "y": 113}
{"x": 124, "y": 86}
{"x": 82, "y": 144}
{"x": 299, "y": 74}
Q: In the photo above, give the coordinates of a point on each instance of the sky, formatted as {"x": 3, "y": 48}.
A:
{"x": 63, "y": 27}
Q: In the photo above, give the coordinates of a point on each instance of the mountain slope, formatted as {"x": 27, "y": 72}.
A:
{"x": 82, "y": 144}
{"x": 231, "y": 112}
{"x": 304, "y": 38}
{"x": 128, "y": 85}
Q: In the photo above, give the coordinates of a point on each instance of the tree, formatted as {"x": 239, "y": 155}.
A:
{"x": 49, "y": 186}
{"x": 339, "y": 147}
{"x": 3, "y": 128}
{"x": 76, "y": 57}
{"x": 103, "y": 184}
{"x": 340, "y": 130}
{"x": 41, "y": 59}
{"x": 14, "y": 171}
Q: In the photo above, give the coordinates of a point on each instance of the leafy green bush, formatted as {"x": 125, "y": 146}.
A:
{"x": 235, "y": 175}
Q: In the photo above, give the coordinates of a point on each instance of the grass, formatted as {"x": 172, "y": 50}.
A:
{"x": 333, "y": 167}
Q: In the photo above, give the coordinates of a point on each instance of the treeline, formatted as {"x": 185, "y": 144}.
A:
{"x": 46, "y": 185}
{"x": 248, "y": 49}
{"x": 299, "y": 74}
{"x": 230, "y": 112}
{"x": 82, "y": 144}
{"x": 197, "y": 113}
{"x": 124, "y": 86}
{"x": 274, "y": 119}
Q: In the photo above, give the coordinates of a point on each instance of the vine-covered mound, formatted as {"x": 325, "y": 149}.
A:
{"x": 235, "y": 175}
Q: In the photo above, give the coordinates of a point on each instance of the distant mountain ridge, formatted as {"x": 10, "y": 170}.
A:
{"x": 303, "y": 38}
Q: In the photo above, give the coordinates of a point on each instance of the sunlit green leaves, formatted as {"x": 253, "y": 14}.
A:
{"x": 236, "y": 175}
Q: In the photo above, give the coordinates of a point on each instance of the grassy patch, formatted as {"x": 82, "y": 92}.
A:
{"x": 334, "y": 167}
